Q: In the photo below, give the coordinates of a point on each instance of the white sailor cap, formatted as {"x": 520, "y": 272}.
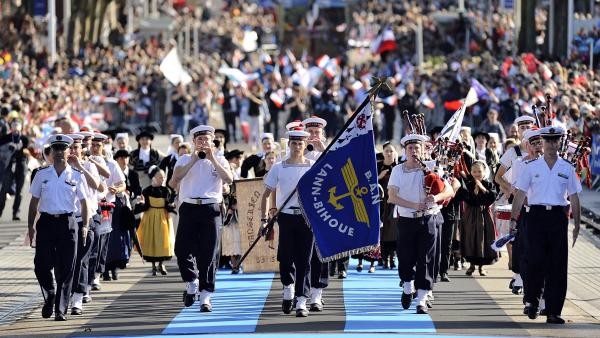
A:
{"x": 294, "y": 124}
{"x": 466, "y": 128}
{"x": 524, "y": 120}
{"x": 552, "y": 132}
{"x": 266, "y": 136}
{"x": 298, "y": 134}
{"x": 121, "y": 136}
{"x": 413, "y": 138}
{"x": 99, "y": 137}
{"x": 60, "y": 139}
{"x": 314, "y": 121}
{"x": 86, "y": 134}
{"x": 76, "y": 137}
{"x": 173, "y": 137}
{"x": 202, "y": 130}
{"x": 532, "y": 134}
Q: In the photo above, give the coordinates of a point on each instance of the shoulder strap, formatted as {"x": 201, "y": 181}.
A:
{"x": 518, "y": 151}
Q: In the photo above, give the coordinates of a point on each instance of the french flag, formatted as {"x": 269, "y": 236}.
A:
{"x": 426, "y": 101}
{"x": 277, "y": 98}
{"x": 385, "y": 42}
{"x": 481, "y": 91}
{"x": 328, "y": 65}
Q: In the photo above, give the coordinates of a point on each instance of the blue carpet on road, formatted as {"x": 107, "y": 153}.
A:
{"x": 237, "y": 304}
{"x": 372, "y": 303}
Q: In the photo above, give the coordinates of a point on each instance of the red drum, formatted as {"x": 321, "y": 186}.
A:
{"x": 503, "y": 212}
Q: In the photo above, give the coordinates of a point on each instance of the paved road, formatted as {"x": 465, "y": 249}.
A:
{"x": 140, "y": 304}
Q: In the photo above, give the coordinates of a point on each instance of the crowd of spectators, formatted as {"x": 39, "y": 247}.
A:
{"x": 109, "y": 86}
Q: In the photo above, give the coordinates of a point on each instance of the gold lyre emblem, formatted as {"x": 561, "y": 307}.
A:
{"x": 354, "y": 191}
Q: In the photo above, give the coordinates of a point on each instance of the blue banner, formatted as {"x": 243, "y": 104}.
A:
{"x": 40, "y": 7}
{"x": 339, "y": 195}
{"x": 595, "y": 155}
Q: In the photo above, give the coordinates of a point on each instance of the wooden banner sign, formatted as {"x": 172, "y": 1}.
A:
{"x": 263, "y": 258}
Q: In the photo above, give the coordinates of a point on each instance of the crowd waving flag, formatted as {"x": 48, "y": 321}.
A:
{"x": 452, "y": 127}
{"x": 339, "y": 195}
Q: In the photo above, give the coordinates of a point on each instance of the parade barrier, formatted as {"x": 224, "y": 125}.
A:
{"x": 263, "y": 258}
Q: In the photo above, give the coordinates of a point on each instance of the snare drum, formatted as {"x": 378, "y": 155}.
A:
{"x": 503, "y": 212}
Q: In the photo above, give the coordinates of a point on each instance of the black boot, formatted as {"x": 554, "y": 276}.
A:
{"x": 115, "y": 276}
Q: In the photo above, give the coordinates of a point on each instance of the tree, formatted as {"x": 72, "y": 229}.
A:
{"x": 527, "y": 33}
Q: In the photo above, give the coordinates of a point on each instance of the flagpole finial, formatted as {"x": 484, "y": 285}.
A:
{"x": 380, "y": 83}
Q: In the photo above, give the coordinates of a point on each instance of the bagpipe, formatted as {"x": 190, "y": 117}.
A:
{"x": 575, "y": 151}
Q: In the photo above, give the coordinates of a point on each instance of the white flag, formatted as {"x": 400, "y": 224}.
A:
{"x": 173, "y": 70}
{"x": 452, "y": 127}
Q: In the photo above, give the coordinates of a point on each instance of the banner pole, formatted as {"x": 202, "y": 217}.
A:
{"x": 379, "y": 82}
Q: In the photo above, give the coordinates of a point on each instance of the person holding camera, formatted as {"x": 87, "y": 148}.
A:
{"x": 14, "y": 146}
{"x": 200, "y": 177}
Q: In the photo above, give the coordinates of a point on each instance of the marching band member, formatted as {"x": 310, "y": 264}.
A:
{"x": 55, "y": 191}
{"x": 506, "y": 162}
{"x": 533, "y": 142}
{"x": 200, "y": 177}
{"x": 547, "y": 182}
{"x": 319, "y": 272}
{"x": 296, "y": 240}
{"x": 115, "y": 184}
{"x": 84, "y": 248}
{"x": 418, "y": 215}
{"x": 256, "y": 161}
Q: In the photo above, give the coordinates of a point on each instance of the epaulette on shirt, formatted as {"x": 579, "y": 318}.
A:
{"x": 529, "y": 161}
{"x": 77, "y": 170}
{"x": 44, "y": 167}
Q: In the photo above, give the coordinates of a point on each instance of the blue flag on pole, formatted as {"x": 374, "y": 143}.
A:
{"x": 339, "y": 195}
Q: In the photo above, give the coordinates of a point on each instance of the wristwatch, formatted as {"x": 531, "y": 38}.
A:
{"x": 264, "y": 220}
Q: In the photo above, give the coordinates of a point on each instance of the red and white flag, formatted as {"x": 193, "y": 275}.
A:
{"x": 426, "y": 101}
{"x": 384, "y": 42}
{"x": 277, "y": 98}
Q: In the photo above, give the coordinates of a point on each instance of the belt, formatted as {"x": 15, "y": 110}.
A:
{"x": 68, "y": 214}
{"x": 200, "y": 201}
{"x": 548, "y": 207}
{"x": 418, "y": 214}
{"x": 292, "y": 211}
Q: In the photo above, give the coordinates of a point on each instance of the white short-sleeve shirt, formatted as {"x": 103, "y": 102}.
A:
{"x": 410, "y": 187}
{"x": 509, "y": 156}
{"x": 58, "y": 194}
{"x": 202, "y": 180}
{"x": 283, "y": 178}
{"x": 545, "y": 186}
{"x": 116, "y": 176}
{"x": 92, "y": 194}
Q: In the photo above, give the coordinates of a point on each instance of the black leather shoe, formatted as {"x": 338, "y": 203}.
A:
{"x": 106, "y": 276}
{"x": 444, "y": 277}
{"x": 60, "y": 317}
{"x": 517, "y": 290}
{"x": 48, "y": 307}
{"x": 526, "y": 310}
{"x": 511, "y": 284}
{"x": 316, "y": 307}
{"x": 429, "y": 304}
{"x": 533, "y": 312}
{"x": 188, "y": 299}
{"x": 553, "y": 319}
{"x": 422, "y": 310}
{"x": 115, "y": 275}
{"x": 16, "y": 218}
{"x": 76, "y": 311}
{"x": 205, "y": 308}
{"x": 406, "y": 300}
{"x": 301, "y": 313}
{"x": 543, "y": 312}
{"x": 286, "y": 306}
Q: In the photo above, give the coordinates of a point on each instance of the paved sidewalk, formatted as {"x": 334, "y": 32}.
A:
{"x": 19, "y": 290}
